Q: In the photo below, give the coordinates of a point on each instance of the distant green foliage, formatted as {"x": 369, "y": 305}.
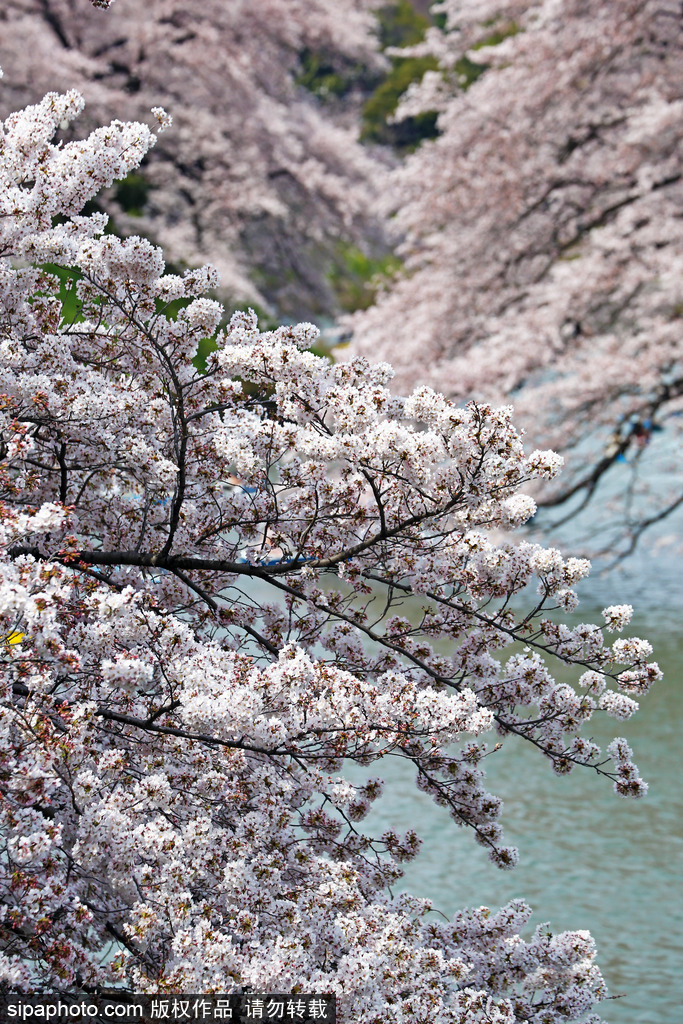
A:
{"x": 320, "y": 76}
{"x": 399, "y": 24}
{"x": 68, "y": 276}
{"x": 355, "y": 276}
{"x": 504, "y": 31}
{"x": 408, "y": 133}
{"x": 204, "y": 349}
{"x": 132, "y": 193}
{"x": 468, "y": 71}
{"x": 329, "y": 76}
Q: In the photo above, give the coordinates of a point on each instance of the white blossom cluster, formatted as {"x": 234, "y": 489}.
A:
{"x": 216, "y": 589}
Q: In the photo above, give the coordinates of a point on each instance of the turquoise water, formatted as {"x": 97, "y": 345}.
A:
{"x": 588, "y": 859}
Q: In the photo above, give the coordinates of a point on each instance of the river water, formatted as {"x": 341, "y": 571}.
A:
{"x": 588, "y": 859}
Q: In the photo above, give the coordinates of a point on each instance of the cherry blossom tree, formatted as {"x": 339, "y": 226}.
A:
{"x": 258, "y": 175}
{"x": 542, "y": 240}
{"x": 218, "y": 588}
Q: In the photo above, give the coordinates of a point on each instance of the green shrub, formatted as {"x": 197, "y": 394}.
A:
{"x": 399, "y": 24}
{"x": 132, "y": 193}
{"x": 320, "y": 76}
{"x": 410, "y": 132}
{"x": 355, "y": 276}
